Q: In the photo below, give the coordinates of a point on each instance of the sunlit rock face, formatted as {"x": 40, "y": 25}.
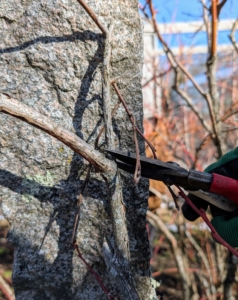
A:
{"x": 51, "y": 56}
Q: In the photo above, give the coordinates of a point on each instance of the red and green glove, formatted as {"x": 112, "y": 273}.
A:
{"x": 225, "y": 223}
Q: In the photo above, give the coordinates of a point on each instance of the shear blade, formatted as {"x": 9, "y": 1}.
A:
{"x": 169, "y": 173}
{"x": 148, "y": 163}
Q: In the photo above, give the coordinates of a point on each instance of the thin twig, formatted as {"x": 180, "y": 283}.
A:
{"x": 214, "y": 28}
{"x": 130, "y": 114}
{"x": 188, "y": 100}
{"x": 106, "y": 89}
{"x": 171, "y": 57}
{"x": 94, "y": 273}
{"x": 232, "y": 35}
{"x": 212, "y": 97}
{"x": 203, "y": 257}
{"x": 80, "y": 199}
{"x": 6, "y": 290}
{"x": 177, "y": 252}
{"x": 175, "y": 198}
{"x": 206, "y": 22}
{"x": 202, "y": 214}
{"x": 231, "y": 111}
{"x": 157, "y": 76}
{"x": 199, "y": 148}
{"x": 103, "y": 128}
{"x": 93, "y": 16}
{"x": 137, "y": 172}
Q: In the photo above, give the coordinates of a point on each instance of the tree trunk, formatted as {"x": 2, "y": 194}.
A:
{"x": 51, "y": 58}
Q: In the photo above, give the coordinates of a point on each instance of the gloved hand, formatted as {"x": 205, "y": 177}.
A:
{"x": 225, "y": 223}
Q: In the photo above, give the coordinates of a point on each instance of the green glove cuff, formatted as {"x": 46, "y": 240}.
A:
{"x": 227, "y": 229}
{"x": 233, "y": 154}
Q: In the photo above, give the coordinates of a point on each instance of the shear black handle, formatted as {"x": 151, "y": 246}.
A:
{"x": 200, "y": 180}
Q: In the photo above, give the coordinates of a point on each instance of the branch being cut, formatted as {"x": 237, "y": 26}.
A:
{"x": 27, "y": 114}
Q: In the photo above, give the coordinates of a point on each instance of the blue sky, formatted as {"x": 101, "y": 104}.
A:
{"x": 191, "y": 10}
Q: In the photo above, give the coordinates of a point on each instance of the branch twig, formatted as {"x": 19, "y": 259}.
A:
{"x": 176, "y": 64}
{"x": 103, "y": 128}
{"x": 27, "y": 114}
{"x": 106, "y": 90}
{"x": 206, "y": 22}
{"x": 203, "y": 257}
{"x": 94, "y": 273}
{"x": 93, "y": 16}
{"x": 188, "y": 100}
{"x": 130, "y": 115}
{"x": 202, "y": 214}
{"x": 214, "y": 28}
{"x": 178, "y": 255}
{"x": 232, "y": 35}
{"x": 6, "y": 290}
{"x": 137, "y": 172}
{"x": 80, "y": 199}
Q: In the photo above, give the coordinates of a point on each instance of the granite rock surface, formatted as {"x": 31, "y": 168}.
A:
{"x": 51, "y": 59}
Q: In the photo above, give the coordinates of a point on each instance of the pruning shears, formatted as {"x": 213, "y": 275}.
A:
{"x": 216, "y": 189}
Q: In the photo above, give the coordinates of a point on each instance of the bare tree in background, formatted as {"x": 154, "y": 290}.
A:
{"x": 57, "y": 61}
{"x": 196, "y": 126}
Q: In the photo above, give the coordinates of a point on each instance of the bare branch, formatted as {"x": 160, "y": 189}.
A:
{"x": 106, "y": 90}
{"x": 210, "y": 99}
{"x": 188, "y": 100}
{"x": 137, "y": 173}
{"x": 201, "y": 212}
{"x": 80, "y": 200}
{"x": 163, "y": 197}
{"x": 214, "y": 28}
{"x": 206, "y": 22}
{"x": 6, "y": 290}
{"x": 93, "y": 16}
{"x": 232, "y": 35}
{"x": 200, "y": 147}
{"x": 203, "y": 257}
{"x": 94, "y": 273}
{"x": 116, "y": 266}
{"x": 176, "y": 250}
{"x": 103, "y": 128}
{"x": 171, "y": 57}
{"x": 231, "y": 111}
{"x": 219, "y": 7}
{"x": 23, "y": 112}
{"x": 130, "y": 116}
{"x": 157, "y": 76}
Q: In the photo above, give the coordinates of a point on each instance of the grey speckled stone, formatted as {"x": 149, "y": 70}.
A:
{"x": 51, "y": 59}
